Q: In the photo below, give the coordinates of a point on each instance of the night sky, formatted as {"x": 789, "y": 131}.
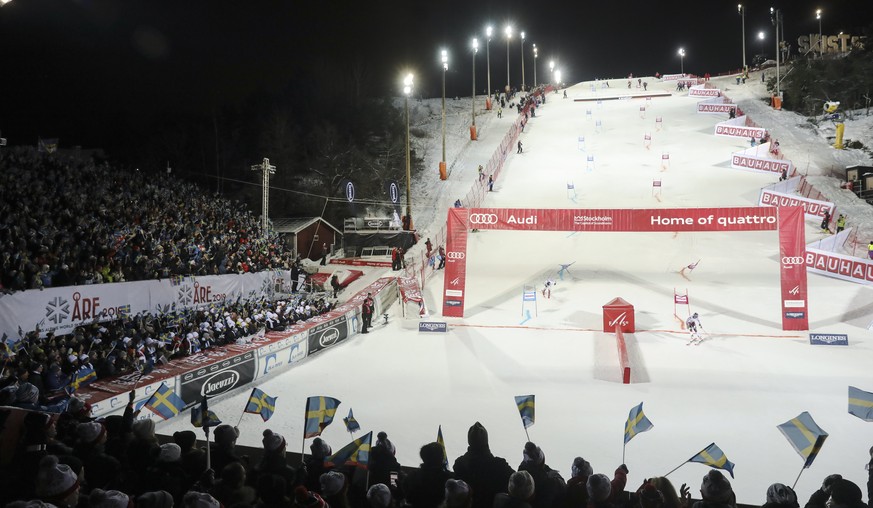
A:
{"x": 71, "y": 68}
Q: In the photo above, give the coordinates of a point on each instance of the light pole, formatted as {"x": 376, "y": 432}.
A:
{"x": 820, "y": 40}
{"x": 522, "y": 61}
{"x": 551, "y": 69}
{"x": 445, "y": 59}
{"x": 682, "y": 61}
{"x": 776, "y": 19}
{"x": 535, "y": 65}
{"x": 742, "y": 11}
{"x": 508, "y": 38}
{"x": 558, "y": 78}
{"x": 761, "y": 38}
{"x": 488, "y": 31}
{"x": 475, "y": 45}
{"x": 407, "y": 89}
{"x": 266, "y": 170}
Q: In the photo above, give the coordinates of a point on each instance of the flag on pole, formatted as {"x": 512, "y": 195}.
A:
{"x": 352, "y": 425}
{"x": 636, "y": 423}
{"x": 442, "y": 444}
{"x": 712, "y": 456}
{"x": 201, "y": 416}
{"x": 861, "y": 404}
{"x": 319, "y": 414}
{"x": 165, "y": 403}
{"x": 525, "y": 405}
{"x": 356, "y": 453}
{"x": 805, "y": 436}
{"x": 261, "y": 404}
{"x": 83, "y": 377}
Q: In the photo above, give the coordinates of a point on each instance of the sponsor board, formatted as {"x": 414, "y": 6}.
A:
{"x": 795, "y": 304}
{"x": 739, "y": 131}
{"x": 433, "y": 326}
{"x": 325, "y": 335}
{"x": 811, "y": 207}
{"x": 795, "y": 315}
{"x": 839, "y": 266}
{"x": 749, "y": 162}
{"x": 454, "y": 292}
{"x": 704, "y": 92}
{"x": 217, "y": 378}
{"x": 453, "y": 303}
{"x": 292, "y": 350}
{"x": 709, "y": 108}
{"x": 828, "y": 339}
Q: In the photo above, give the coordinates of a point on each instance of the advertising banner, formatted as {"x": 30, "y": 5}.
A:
{"x": 121, "y": 386}
{"x": 828, "y": 339}
{"x": 839, "y": 266}
{"x": 325, "y": 335}
{"x": 812, "y": 208}
{"x": 217, "y": 378}
{"x": 702, "y": 91}
{"x": 716, "y": 106}
{"x": 758, "y": 159}
{"x": 433, "y": 327}
{"x": 61, "y": 310}
{"x": 673, "y": 77}
{"x": 281, "y": 353}
{"x": 738, "y": 128}
{"x": 456, "y": 253}
{"x": 792, "y": 246}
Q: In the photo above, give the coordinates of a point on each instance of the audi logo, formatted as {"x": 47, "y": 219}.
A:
{"x": 796, "y": 260}
{"x": 483, "y": 218}
{"x": 455, "y": 255}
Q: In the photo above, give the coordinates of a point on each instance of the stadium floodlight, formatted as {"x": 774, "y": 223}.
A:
{"x": 444, "y": 57}
{"x": 820, "y": 40}
{"x": 508, "y": 32}
{"x": 552, "y": 68}
{"x": 522, "y": 61}
{"x": 266, "y": 170}
{"x": 488, "y": 31}
{"x": 558, "y": 77}
{"x": 682, "y": 61}
{"x": 4, "y": 2}
{"x": 535, "y": 64}
{"x": 407, "y": 89}
{"x": 475, "y": 45}
{"x": 742, "y": 12}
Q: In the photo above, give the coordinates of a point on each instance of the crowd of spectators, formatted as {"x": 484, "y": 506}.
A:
{"x": 36, "y": 370}
{"x": 74, "y": 460}
{"x": 65, "y": 222}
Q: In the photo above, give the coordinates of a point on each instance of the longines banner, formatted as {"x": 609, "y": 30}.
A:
{"x": 60, "y": 310}
{"x": 738, "y": 128}
{"x": 788, "y": 221}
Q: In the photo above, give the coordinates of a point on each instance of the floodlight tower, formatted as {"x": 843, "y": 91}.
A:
{"x": 266, "y": 170}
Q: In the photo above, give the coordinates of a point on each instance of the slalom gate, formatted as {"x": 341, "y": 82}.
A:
{"x": 787, "y": 220}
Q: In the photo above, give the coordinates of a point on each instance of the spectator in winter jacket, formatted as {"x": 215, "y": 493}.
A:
{"x": 836, "y": 492}
{"x": 671, "y": 498}
{"x": 577, "y": 490}
{"x": 520, "y": 492}
{"x": 382, "y": 461}
{"x": 486, "y": 474}
{"x": 315, "y": 464}
{"x": 273, "y": 461}
{"x": 425, "y": 487}
{"x": 549, "y": 485}
{"x": 780, "y": 496}
{"x": 231, "y": 489}
{"x": 716, "y": 492}
{"x": 224, "y": 447}
{"x": 334, "y": 489}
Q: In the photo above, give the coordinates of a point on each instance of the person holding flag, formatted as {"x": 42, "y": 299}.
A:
{"x": 526, "y": 409}
{"x": 425, "y": 486}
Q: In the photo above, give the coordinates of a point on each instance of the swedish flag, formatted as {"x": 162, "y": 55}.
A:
{"x": 319, "y": 414}
{"x": 165, "y": 403}
{"x": 83, "y": 377}
{"x": 526, "y": 408}
{"x": 636, "y": 423}
{"x": 201, "y": 416}
{"x": 442, "y": 444}
{"x": 356, "y": 453}
{"x": 712, "y": 456}
{"x": 352, "y": 425}
{"x": 861, "y": 404}
{"x": 805, "y": 436}
{"x": 261, "y": 404}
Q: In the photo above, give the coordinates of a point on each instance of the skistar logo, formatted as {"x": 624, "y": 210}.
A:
{"x": 619, "y": 320}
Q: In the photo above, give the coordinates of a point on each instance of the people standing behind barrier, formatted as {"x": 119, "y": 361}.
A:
{"x": 520, "y": 148}
{"x": 490, "y": 183}
{"x": 442, "y": 255}
{"x": 367, "y": 309}
{"x": 429, "y": 247}
{"x": 826, "y": 221}
{"x": 870, "y": 250}
{"x": 395, "y": 259}
{"x": 486, "y": 474}
{"x": 335, "y": 284}
{"x": 841, "y": 223}
{"x": 425, "y": 487}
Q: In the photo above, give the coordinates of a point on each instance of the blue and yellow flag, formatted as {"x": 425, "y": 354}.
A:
{"x": 165, "y": 403}
{"x": 861, "y": 404}
{"x": 636, "y": 423}
{"x": 526, "y": 405}
{"x": 261, "y": 404}
{"x": 319, "y": 414}
{"x": 805, "y": 436}
{"x": 356, "y": 453}
{"x": 83, "y": 377}
{"x": 47, "y": 145}
{"x": 201, "y": 416}
{"x": 352, "y": 425}
{"x": 712, "y": 456}
{"x": 442, "y": 444}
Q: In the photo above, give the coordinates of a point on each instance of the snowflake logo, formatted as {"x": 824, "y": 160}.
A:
{"x": 185, "y": 295}
{"x": 57, "y": 310}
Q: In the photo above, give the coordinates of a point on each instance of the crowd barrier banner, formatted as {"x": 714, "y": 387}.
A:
{"x": 61, "y": 310}
{"x": 329, "y": 333}
{"x": 716, "y": 106}
{"x": 217, "y": 378}
{"x": 757, "y": 159}
{"x": 738, "y": 128}
{"x": 839, "y": 266}
{"x": 286, "y": 351}
{"x": 703, "y": 91}
{"x": 673, "y": 77}
{"x": 830, "y": 242}
{"x": 812, "y": 208}
{"x": 120, "y": 387}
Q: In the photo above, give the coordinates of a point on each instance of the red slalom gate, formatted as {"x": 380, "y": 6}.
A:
{"x": 787, "y": 220}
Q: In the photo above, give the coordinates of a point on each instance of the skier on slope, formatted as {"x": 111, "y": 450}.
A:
{"x": 547, "y": 287}
{"x": 693, "y": 324}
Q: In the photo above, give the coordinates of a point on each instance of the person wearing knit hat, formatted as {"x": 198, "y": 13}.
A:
{"x": 199, "y": 500}
{"x": 319, "y": 448}
{"x": 108, "y": 499}
{"x": 581, "y": 468}
{"x": 170, "y": 452}
{"x": 379, "y": 496}
{"x": 144, "y": 429}
{"x": 156, "y": 499}
{"x": 332, "y": 483}
{"x": 845, "y": 494}
{"x": 223, "y": 450}
{"x": 716, "y": 489}
{"x": 26, "y": 394}
{"x": 77, "y": 405}
{"x": 486, "y": 474}
{"x": 91, "y": 433}
{"x": 533, "y": 455}
{"x": 273, "y": 442}
{"x": 458, "y": 494}
{"x": 650, "y": 496}
{"x": 550, "y": 486}
{"x": 382, "y": 440}
{"x": 56, "y": 483}
{"x": 425, "y": 487}
{"x": 314, "y": 464}
{"x": 780, "y": 496}
{"x": 186, "y": 439}
{"x": 599, "y": 489}
{"x": 231, "y": 488}
{"x": 226, "y": 434}
{"x": 577, "y": 485}
{"x": 304, "y": 498}
{"x": 521, "y": 486}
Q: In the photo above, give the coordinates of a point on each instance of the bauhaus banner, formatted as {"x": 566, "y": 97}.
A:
{"x": 639, "y": 220}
